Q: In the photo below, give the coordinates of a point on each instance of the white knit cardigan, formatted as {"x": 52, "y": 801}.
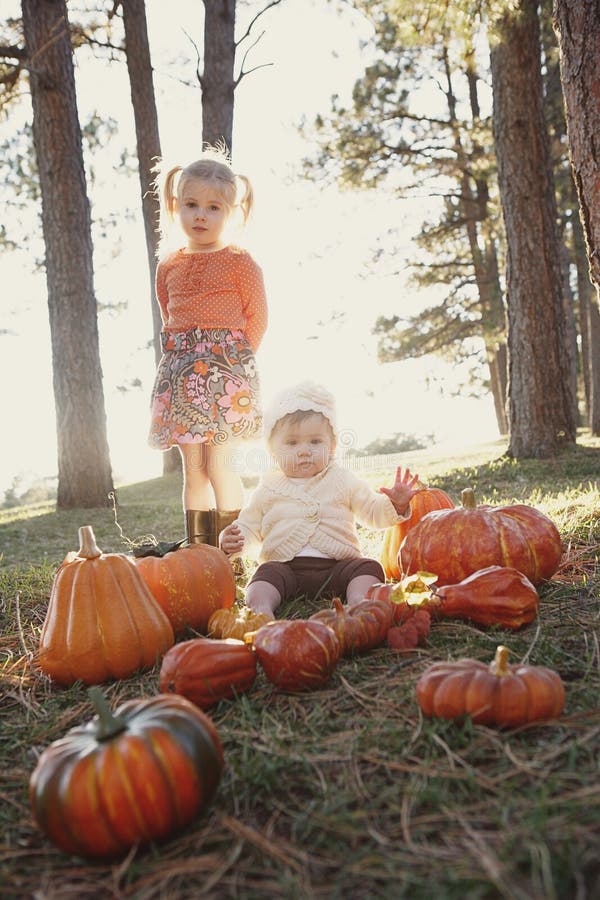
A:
{"x": 285, "y": 514}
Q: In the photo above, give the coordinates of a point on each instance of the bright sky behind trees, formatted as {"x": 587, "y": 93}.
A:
{"x": 314, "y": 243}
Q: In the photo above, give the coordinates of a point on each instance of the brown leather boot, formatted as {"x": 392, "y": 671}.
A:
{"x": 200, "y": 526}
{"x": 225, "y": 518}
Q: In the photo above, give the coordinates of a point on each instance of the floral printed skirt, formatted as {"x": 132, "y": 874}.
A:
{"x": 206, "y": 389}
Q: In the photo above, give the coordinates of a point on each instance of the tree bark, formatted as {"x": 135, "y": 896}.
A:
{"x": 542, "y": 405}
{"x": 139, "y": 67}
{"x": 218, "y": 82}
{"x": 577, "y": 25}
{"x": 84, "y": 471}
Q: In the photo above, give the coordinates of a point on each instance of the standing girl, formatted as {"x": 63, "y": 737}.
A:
{"x": 212, "y": 301}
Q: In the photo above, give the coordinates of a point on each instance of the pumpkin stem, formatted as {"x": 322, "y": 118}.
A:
{"x": 88, "y": 548}
{"x": 468, "y": 498}
{"x": 108, "y": 724}
{"x": 499, "y": 665}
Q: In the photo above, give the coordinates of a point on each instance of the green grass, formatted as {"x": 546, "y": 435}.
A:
{"x": 346, "y": 792}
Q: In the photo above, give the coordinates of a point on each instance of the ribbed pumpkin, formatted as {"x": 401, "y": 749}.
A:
{"x": 206, "y": 670}
{"x": 495, "y": 694}
{"x": 128, "y": 777}
{"x": 297, "y": 654}
{"x": 352, "y": 631}
{"x": 425, "y": 501}
{"x": 454, "y": 543}
{"x": 189, "y": 584}
{"x": 236, "y": 622}
{"x": 102, "y": 621}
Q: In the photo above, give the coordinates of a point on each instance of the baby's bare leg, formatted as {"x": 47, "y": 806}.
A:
{"x": 358, "y": 587}
{"x": 262, "y": 597}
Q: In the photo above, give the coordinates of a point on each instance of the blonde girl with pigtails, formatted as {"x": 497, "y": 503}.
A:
{"x": 211, "y": 293}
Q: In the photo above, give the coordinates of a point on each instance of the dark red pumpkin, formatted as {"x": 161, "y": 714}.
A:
{"x": 206, "y": 670}
{"x": 425, "y": 501}
{"x": 297, "y": 654}
{"x": 189, "y": 584}
{"x": 126, "y": 778}
{"x": 495, "y": 694}
{"x": 454, "y": 543}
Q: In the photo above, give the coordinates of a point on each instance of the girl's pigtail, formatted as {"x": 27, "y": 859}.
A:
{"x": 164, "y": 188}
{"x": 247, "y": 201}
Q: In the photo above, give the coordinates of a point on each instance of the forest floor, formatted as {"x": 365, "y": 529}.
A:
{"x": 348, "y": 791}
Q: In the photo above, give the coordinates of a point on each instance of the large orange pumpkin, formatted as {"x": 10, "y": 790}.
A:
{"x": 189, "y": 584}
{"x": 128, "y": 777}
{"x": 102, "y": 621}
{"x": 454, "y": 543}
{"x": 495, "y": 694}
{"x": 206, "y": 670}
{"x": 425, "y": 501}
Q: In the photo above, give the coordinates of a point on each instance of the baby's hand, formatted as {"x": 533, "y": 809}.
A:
{"x": 403, "y": 490}
{"x": 231, "y": 540}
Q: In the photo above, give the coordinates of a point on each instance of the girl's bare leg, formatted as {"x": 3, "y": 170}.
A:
{"x": 222, "y": 464}
{"x": 197, "y": 490}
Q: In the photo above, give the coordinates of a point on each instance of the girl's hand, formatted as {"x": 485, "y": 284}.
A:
{"x": 403, "y": 490}
{"x": 231, "y": 540}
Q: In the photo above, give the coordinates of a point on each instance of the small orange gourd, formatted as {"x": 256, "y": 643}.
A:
{"x": 102, "y": 621}
{"x": 236, "y": 623}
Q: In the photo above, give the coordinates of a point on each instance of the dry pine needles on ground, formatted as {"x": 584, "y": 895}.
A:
{"x": 348, "y": 791}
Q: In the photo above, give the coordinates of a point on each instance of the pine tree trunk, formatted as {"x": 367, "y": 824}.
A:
{"x": 542, "y": 406}
{"x": 577, "y": 24}
{"x": 139, "y": 67}
{"x": 84, "y": 471}
{"x": 218, "y": 83}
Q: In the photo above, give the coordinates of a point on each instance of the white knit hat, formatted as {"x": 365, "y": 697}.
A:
{"x": 306, "y": 396}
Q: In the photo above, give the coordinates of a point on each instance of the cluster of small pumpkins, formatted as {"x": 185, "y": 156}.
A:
{"x": 111, "y": 615}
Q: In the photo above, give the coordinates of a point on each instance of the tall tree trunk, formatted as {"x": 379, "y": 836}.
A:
{"x": 577, "y": 24}
{"x": 84, "y": 471}
{"x": 218, "y": 83}
{"x": 139, "y": 67}
{"x": 474, "y": 200}
{"x": 542, "y": 406}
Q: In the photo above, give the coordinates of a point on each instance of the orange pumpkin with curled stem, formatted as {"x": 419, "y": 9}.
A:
{"x": 102, "y": 621}
{"x": 454, "y": 543}
{"x": 359, "y": 627}
{"x": 494, "y": 694}
{"x": 424, "y": 501}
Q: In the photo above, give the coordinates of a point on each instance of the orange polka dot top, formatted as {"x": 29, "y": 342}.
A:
{"x": 222, "y": 289}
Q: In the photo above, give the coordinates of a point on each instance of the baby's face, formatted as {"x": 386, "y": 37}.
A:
{"x": 303, "y": 449}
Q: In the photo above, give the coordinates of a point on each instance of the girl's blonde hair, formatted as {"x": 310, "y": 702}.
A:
{"x": 213, "y": 167}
